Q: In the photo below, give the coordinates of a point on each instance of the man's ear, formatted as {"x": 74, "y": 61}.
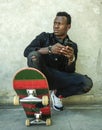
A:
{"x": 69, "y": 26}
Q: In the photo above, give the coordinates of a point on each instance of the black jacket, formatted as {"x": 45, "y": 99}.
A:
{"x": 58, "y": 62}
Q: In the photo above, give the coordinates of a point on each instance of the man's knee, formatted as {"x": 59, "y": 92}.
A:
{"x": 87, "y": 89}
{"x": 33, "y": 53}
{"x": 33, "y": 59}
{"x": 89, "y": 85}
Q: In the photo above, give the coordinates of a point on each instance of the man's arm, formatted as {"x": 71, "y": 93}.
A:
{"x": 37, "y": 44}
{"x": 72, "y": 58}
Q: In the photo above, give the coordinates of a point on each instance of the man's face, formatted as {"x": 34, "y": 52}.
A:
{"x": 60, "y": 26}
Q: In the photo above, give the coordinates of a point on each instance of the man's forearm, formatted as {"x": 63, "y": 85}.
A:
{"x": 43, "y": 50}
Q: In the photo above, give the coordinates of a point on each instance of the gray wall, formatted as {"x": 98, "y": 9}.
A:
{"x": 22, "y": 20}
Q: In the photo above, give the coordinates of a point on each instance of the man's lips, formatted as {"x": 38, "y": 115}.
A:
{"x": 56, "y": 31}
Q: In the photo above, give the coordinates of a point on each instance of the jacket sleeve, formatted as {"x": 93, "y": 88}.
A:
{"x": 36, "y": 44}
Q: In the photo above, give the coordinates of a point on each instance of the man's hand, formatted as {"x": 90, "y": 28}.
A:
{"x": 68, "y": 52}
{"x": 56, "y": 49}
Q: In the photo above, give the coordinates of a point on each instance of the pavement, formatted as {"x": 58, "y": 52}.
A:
{"x": 74, "y": 117}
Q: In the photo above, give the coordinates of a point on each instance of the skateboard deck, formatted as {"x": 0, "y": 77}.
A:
{"x": 32, "y": 91}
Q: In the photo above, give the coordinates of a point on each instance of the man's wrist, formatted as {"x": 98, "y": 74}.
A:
{"x": 73, "y": 59}
{"x": 70, "y": 61}
{"x": 49, "y": 49}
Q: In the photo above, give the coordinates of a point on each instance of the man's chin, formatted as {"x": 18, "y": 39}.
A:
{"x": 56, "y": 33}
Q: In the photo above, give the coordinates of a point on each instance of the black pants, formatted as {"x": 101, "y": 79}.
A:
{"x": 66, "y": 84}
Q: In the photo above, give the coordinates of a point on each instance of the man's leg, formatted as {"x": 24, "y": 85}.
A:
{"x": 38, "y": 62}
{"x": 65, "y": 85}
{"x": 77, "y": 84}
{"x": 33, "y": 60}
{"x": 68, "y": 84}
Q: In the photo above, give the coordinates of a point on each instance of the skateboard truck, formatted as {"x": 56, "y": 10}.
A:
{"x": 31, "y": 92}
{"x": 37, "y": 116}
{"x": 31, "y": 96}
{"x": 38, "y": 120}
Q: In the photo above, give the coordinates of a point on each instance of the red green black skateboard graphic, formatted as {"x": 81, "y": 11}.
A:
{"x": 32, "y": 91}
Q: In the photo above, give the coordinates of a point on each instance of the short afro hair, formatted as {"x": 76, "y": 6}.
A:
{"x": 66, "y": 15}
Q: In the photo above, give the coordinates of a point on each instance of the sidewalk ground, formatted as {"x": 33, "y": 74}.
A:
{"x": 75, "y": 117}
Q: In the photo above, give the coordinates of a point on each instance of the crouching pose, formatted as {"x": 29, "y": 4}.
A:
{"x": 55, "y": 55}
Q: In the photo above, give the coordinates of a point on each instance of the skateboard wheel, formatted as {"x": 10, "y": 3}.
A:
{"x": 16, "y": 100}
{"x": 45, "y": 100}
{"x": 48, "y": 122}
{"x": 27, "y": 122}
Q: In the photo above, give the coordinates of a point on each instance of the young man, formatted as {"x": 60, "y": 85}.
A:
{"x": 55, "y": 55}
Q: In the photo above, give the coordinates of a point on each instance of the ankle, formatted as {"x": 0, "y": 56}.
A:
{"x": 57, "y": 94}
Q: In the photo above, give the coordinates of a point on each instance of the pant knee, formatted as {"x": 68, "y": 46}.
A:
{"x": 33, "y": 62}
{"x": 88, "y": 86}
{"x": 87, "y": 89}
{"x": 33, "y": 53}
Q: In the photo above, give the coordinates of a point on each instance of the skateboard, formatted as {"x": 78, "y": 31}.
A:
{"x": 32, "y": 91}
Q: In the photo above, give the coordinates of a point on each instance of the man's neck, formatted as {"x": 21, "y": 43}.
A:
{"x": 62, "y": 37}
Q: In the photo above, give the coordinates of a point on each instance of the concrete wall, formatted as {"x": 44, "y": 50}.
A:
{"x": 22, "y": 20}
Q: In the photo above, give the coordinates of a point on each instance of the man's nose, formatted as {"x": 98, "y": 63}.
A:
{"x": 56, "y": 25}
